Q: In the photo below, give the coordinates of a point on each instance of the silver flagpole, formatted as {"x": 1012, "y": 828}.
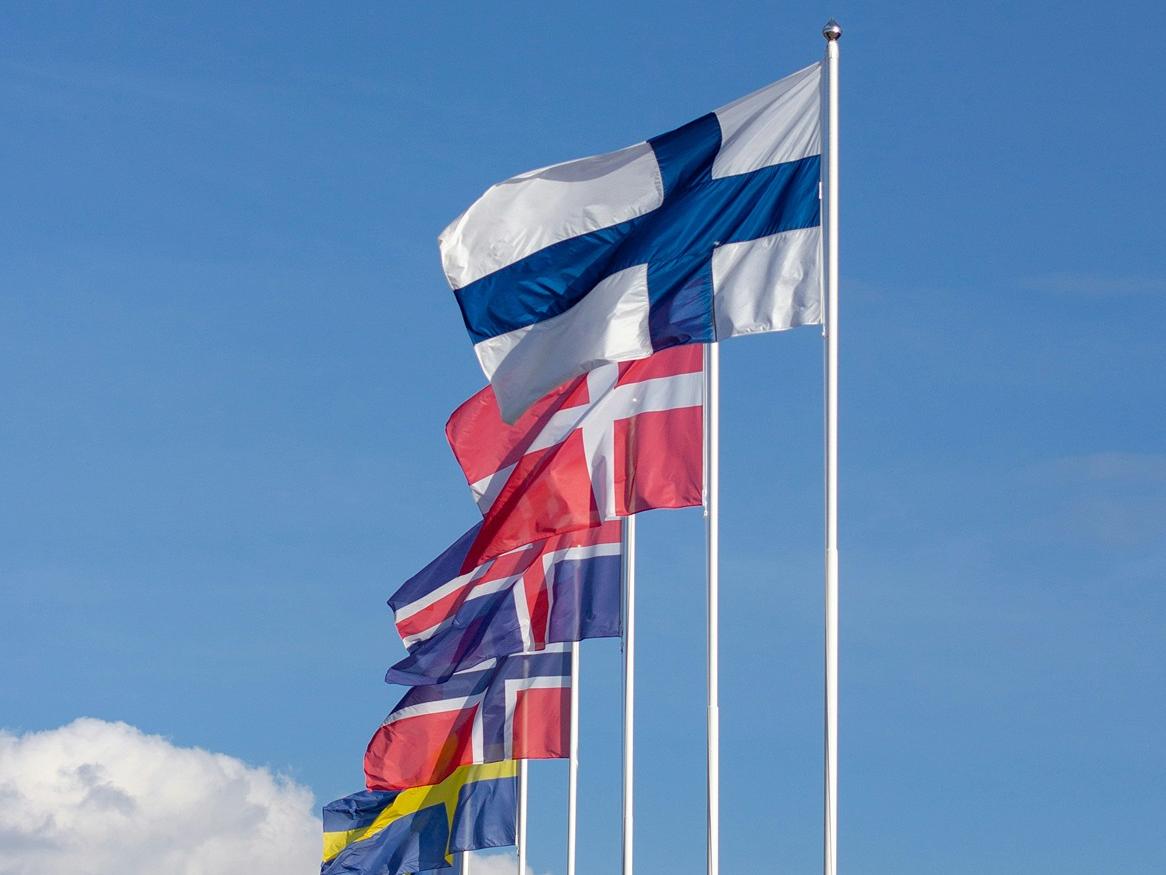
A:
{"x": 712, "y": 401}
{"x": 522, "y": 776}
{"x": 832, "y": 31}
{"x": 573, "y": 762}
{"x": 465, "y": 867}
{"x": 629, "y": 687}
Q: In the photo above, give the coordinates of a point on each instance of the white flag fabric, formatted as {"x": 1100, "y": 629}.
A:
{"x": 710, "y": 231}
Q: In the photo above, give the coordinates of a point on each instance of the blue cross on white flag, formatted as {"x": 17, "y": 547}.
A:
{"x": 710, "y": 231}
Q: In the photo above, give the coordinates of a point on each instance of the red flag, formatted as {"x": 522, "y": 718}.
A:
{"x": 515, "y": 707}
{"x": 620, "y": 439}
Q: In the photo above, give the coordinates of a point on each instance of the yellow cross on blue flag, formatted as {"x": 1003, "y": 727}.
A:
{"x": 378, "y": 832}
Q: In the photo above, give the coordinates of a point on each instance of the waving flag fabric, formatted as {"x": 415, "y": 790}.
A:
{"x": 516, "y": 707}
{"x": 704, "y": 233}
{"x": 564, "y": 588}
{"x": 620, "y": 439}
{"x": 394, "y": 832}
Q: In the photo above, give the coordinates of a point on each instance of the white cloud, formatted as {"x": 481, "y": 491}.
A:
{"x": 495, "y": 863}
{"x": 98, "y": 798}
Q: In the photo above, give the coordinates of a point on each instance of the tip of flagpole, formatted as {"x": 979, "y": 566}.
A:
{"x": 832, "y": 30}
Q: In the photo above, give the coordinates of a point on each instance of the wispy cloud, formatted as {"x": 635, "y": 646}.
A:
{"x": 72, "y": 91}
{"x": 1095, "y": 285}
{"x": 1145, "y": 468}
{"x": 1114, "y": 498}
{"x": 94, "y": 797}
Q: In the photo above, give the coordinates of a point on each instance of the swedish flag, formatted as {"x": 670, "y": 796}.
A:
{"x": 377, "y": 832}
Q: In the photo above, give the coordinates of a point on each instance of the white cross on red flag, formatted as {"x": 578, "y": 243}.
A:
{"x": 617, "y": 440}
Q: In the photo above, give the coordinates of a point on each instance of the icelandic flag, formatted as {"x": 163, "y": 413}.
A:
{"x": 378, "y": 832}
{"x": 619, "y": 439}
{"x": 516, "y": 707}
{"x": 707, "y": 232}
{"x": 564, "y": 588}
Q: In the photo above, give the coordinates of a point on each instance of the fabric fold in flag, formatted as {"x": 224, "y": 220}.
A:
{"x": 516, "y": 707}
{"x": 707, "y": 232}
{"x": 618, "y": 440}
{"x": 378, "y": 832}
{"x": 561, "y": 589}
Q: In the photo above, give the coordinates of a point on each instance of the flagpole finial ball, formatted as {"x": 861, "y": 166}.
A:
{"x": 832, "y": 30}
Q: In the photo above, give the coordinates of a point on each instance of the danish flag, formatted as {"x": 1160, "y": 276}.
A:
{"x": 619, "y": 439}
{"x": 564, "y": 588}
{"x": 516, "y": 707}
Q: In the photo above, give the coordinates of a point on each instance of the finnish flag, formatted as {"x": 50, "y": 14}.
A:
{"x": 710, "y": 231}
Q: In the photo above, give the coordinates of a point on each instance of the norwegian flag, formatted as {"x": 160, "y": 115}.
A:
{"x": 619, "y": 439}
{"x": 564, "y": 588}
{"x": 516, "y": 707}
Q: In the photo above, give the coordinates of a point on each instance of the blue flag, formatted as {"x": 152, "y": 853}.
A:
{"x": 393, "y": 833}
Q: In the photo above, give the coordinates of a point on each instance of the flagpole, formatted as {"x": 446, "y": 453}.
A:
{"x": 712, "y": 401}
{"x": 832, "y": 31}
{"x": 465, "y": 867}
{"x": 522, "y": 775}
{"x": 629, "y": 687}
{"x": 573, "y": 762}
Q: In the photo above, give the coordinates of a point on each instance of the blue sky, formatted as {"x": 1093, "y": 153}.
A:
{"x": 228, "y": 352}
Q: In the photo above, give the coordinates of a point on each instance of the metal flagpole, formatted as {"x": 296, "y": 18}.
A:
{"x": 465, "y": 867}
{"x": 522, "y": 776}
{"x": 573, "y": 762}
{"x": 832, "y": 31}
{"x": 629, "y": 686}
{"x": 712, "y": 371}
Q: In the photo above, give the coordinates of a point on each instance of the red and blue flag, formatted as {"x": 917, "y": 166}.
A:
{"x": 564, "y": 588}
